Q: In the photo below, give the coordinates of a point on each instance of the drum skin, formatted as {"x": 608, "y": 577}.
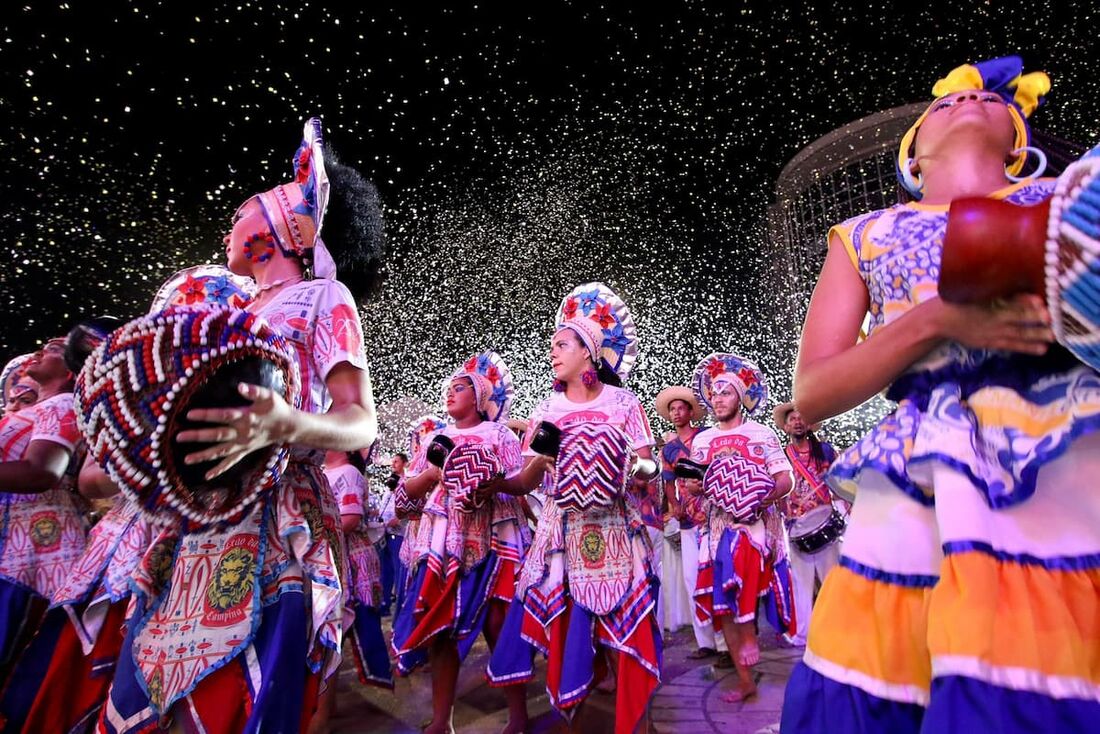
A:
{"x": 817, "y": 529}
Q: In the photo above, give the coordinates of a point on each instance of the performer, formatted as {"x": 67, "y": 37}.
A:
{"x": 403, "y": 513}
{"x": 679, "y": 407}
{"x": 810, "y": 458}
{"x": 42, "y": 533}
{"x": 270, "y": 627}
{"x": 739, "y": 562}
{"x": 587, "y": 593}
{"x": 17, "y": 390}
{"x": 966, "y": 595}
{"x": 393, "y": 571}
{"x": 344, "y": 471}
{"x": 470, "y": 540}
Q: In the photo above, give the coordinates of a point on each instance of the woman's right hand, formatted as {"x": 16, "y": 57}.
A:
{"x": 1017, "y": 324}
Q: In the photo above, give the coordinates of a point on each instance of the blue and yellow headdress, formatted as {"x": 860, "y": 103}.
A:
{"x": 1023, "y": 93}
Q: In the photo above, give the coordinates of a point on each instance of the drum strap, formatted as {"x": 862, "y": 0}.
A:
{"x": 820, "y": 489}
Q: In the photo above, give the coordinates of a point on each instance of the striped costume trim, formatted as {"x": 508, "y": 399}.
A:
{"x": 912, "y": 581}
{"x": 1015, "y": 679}
{"x": 899, "y": 693}
{"x": 1054, "y": 563}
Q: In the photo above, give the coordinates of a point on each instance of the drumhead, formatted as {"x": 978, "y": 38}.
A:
{"x": 811, "y": 521}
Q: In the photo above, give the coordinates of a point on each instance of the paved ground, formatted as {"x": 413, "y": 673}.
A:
{"x": 687, "y": 702}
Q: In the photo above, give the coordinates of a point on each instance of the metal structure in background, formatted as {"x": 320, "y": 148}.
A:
{"x": 844, "y": 173}
{"x": 851, "y": 171}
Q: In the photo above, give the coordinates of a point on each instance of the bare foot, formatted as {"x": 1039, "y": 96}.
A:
{"x": 749, "y": 654}
{"x": 739, "y": 694}
{"x": 431, "y": 728}
{"x": 515, "y": 727}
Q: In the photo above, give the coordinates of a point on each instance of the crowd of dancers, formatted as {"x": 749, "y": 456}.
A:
{"x": 957, "y": 545}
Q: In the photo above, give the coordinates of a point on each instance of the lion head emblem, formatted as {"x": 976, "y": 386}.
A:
{"x": 232, "y": 579}
{"x": 593, "y": 546}
{"x": 45, "y": 531}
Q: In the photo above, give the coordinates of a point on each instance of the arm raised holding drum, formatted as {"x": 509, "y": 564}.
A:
{"x": 990, "y": 430}
{"x": 349, "y": 425}
{"x": 837, "y": 372}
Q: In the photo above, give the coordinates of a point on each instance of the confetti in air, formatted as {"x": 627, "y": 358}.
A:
{"x": 520, "y": 149}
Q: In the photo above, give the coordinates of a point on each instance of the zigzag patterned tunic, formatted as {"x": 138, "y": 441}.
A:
{"x": 586, "y": 583}
{"x": 742, "y": 562}
{"x": 461, "y": 561}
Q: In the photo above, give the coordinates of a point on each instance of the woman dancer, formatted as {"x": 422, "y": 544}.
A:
{"x": 967, "y": 593}
{"x": 587, "y": 593}
{"x": 470, "y": 539}
{"x": 272, "y": 635}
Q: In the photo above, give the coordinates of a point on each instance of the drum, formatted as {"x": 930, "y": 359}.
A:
{"x": 738, "y": 485}
{"x": 405, "y": 506}
{"x": 135, "y": 390}
{"x": 817, "y": 529}
{"x": 688, "y": 469}
{"x": 592, "y": 468}
{"x": 467, "y": 467}
{"x": 993, "y": 249}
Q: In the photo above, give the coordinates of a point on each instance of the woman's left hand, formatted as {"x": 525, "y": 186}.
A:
{"x": 243, "y": 430}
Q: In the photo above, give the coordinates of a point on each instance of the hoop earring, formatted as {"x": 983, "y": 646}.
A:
{"x": 909, "y": 182}
{"x": 253, "y": 252}
{"x": 1039, "y": 169}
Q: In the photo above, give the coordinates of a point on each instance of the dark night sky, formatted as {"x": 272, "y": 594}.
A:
{"x": 520, "y": 149}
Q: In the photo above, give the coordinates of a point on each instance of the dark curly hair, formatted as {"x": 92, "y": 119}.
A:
{"x": 353, "y": 230}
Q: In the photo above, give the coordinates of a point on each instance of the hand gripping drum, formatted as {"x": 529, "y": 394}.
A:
{"x": 469, "y": 466}
{"x": 134, "y": 393}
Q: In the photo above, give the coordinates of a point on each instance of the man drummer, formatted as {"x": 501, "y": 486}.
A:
{"x": 810, "y": 458}
{"x": 740, "y": 567}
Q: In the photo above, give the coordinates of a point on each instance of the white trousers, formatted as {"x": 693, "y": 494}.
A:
{"x": 689, "y": 552}
{"x": 678, "y": 606}
{"x": 805, "y": 568}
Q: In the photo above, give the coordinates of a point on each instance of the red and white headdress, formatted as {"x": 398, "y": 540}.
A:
{"x": 603, "y": 322}
{"x": 296, "y": 211}
{"x": 721, "y": 368}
